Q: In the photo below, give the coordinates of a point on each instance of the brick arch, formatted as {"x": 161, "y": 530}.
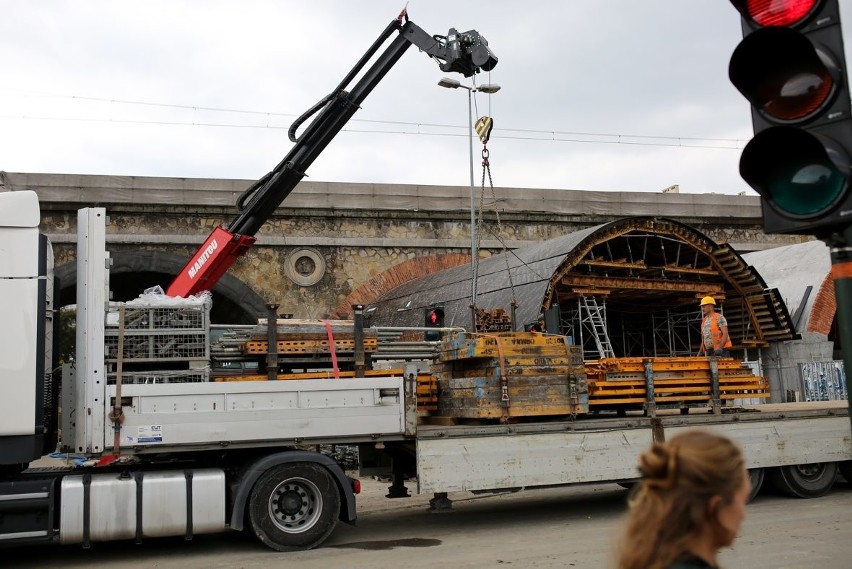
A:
{"x": 824, "y": 308}
{"x": 395, "y": 276}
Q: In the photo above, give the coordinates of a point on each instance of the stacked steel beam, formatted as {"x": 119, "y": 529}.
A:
{"x": 623, "y": 382}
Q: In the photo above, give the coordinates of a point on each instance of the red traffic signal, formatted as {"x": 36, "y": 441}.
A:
{"x": 434, "y": 318}
{"x": 776, "y": 12}
{"x": 791, "y": 68}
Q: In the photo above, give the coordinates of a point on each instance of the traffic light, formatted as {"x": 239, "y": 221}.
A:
{"x": 434, "y": 318}
{"x": 790, "y": 66}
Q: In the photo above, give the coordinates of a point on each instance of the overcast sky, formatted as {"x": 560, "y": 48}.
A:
{"x": 596, "y": 95}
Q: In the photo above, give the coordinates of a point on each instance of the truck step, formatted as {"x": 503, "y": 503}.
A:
{"x": 26, "y": 510}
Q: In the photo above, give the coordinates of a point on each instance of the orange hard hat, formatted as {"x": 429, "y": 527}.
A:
{"x": 708, "y": 300}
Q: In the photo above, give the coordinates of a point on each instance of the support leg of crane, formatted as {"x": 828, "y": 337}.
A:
{"x": 397, "y": 489}
{"x": 440, "y": 502}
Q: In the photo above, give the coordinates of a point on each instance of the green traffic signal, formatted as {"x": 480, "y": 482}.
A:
{"x": 801, "y": 175}
{"x": 806, "y": 189}
{"x": 793, "y": 170}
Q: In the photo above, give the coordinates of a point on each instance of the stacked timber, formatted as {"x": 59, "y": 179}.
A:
{"x": 305, "y": 349}
{"x": 309, "y": 338}
{"x": 676, "y": 381}
{"x": 427, "y": 393}
{"x": 493, "y": 320}
{"x": 509, "y": 376}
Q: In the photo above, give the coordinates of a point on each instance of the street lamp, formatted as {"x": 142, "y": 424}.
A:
{"x": 474, "y": 258}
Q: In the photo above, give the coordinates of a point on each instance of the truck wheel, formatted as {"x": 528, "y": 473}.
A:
{"x": 756, "y": 476}
{"x": 294, "y": 506}
{"x": 804, "y": 480}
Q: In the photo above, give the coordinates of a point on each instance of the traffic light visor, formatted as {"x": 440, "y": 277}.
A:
{"x": 776, "y": 12}
{"x": 796, "y": 172}
{"x": 782, "y": 74}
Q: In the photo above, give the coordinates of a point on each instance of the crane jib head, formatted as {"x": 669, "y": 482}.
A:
{"x": 467, "y": 53}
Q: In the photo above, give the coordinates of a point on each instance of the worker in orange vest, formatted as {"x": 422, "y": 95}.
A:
{"x": 714, "y": 330}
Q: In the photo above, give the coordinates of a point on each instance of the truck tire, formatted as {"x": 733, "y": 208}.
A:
{"x": 756, "y": 476}
{"x": 804, "y": 480}
{"x": 294, "y": 506}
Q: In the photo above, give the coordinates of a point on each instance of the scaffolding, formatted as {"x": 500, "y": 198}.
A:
{"x": 674, "y": 332}
{"x": 586, "y": 323}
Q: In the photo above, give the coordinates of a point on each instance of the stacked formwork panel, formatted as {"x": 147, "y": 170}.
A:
{"x": 509, "y": 376}
{"x": 678, "y": 382}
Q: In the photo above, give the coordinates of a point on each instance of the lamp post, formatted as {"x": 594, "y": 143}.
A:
{"x": 474, "y": 258}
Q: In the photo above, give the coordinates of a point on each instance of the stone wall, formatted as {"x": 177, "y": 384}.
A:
{"x": 312, "y": 262}
{"x": 332, "y": 244}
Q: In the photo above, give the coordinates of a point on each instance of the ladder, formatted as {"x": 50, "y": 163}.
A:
{"x": 595, "y": 320}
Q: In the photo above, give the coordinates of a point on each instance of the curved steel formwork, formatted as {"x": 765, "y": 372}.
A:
{"x": 642, "y": 275}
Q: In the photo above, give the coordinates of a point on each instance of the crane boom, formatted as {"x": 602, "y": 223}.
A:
{"x": 466, "y": 53}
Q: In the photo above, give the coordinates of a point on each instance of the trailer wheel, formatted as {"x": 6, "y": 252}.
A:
{"x": 804, "y": 480}
{"x": 755, "y": 476}
{"x": 294, "y": 506}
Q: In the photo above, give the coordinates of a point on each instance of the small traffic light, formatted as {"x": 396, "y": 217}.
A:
{"x": 791, "y": 67}
{"x": 533, "y": 327}
{"x": 434, "y": 318}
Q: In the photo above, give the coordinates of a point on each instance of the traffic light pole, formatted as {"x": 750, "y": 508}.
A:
{"x": 841, "y": 274}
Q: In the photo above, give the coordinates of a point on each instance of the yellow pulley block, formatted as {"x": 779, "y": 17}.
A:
{"x": 483, "y": 128}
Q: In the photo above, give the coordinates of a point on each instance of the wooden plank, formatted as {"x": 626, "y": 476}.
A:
{"x": 640, "y": 284}
{"x": 257, "y": 347}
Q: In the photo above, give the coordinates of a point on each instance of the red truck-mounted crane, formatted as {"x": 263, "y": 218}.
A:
{"x": 466, "y": 53}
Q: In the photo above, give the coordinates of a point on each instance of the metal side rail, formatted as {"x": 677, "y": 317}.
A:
{"x": 197, "y": 416}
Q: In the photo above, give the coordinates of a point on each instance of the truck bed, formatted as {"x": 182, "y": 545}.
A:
{"x": 483, "y": 457}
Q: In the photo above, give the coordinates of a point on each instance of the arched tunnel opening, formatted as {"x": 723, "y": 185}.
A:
{"x": 133, "y": 272}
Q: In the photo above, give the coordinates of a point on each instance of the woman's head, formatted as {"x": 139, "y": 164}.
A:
{"x": 694, "y": 488}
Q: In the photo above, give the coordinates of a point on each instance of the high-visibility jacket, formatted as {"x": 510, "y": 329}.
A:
{"x": 715, "y": 330}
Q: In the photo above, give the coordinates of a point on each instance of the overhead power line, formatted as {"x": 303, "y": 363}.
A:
{"x": 413, "y": 128}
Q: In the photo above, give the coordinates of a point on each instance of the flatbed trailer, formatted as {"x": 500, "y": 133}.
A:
{"x": 205, "y": 457}
{"x": 153, "y": 460}
{"x": 593, "y": 450}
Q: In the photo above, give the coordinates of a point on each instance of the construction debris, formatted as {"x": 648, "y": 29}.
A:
{"x": 493, "y": 320}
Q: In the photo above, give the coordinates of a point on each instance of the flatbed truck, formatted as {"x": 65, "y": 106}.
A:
{"x": 203, "y": 457}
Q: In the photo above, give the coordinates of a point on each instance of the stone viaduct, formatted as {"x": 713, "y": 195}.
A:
{"x": 333, "y": 244}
